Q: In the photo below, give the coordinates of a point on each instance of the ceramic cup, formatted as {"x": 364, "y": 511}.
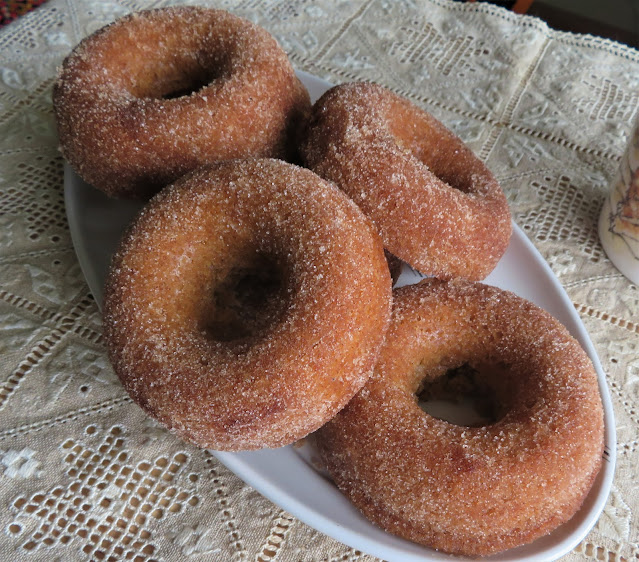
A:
{"x": 619, "y": 219}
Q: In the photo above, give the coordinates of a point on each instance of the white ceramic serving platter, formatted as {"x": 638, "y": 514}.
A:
{"x": 287, "y": 476}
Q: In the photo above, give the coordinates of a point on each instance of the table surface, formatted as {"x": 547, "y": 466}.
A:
{"x": 549, "y": 112}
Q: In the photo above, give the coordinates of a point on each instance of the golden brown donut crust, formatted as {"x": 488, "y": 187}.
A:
{"x": 123, "y": 131}
{"x": 470, "y": 490}
{"x": 436, "y": 204}
{"x": 312, "y": 347}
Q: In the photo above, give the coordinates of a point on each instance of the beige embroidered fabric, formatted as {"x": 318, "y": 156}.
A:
{"x": 84, "y": 475}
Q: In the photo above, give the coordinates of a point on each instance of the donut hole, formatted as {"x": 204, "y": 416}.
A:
{"x": 180, "y": 67}
{"x": 179, "y": 79}
{"x": 250, "y": 297}
{"x": 418, "y": 135}
{"x": 187, "y": 85}
{"x": 467, "y": 395}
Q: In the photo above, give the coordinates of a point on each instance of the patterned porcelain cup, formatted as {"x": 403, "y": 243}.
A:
{"x": 619, "y": 219}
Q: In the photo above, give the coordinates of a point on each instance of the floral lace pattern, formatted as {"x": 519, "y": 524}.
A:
{"x": 83, "y": 473}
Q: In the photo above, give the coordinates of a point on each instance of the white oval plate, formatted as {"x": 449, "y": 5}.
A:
{"x": 287, "y": 476}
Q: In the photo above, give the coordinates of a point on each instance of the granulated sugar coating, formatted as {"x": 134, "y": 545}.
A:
{"x": 470, "y": 490}
{"x": 160, "y": 92}
{"x": 436, "y": 204}
{"x": 247, "y": 304}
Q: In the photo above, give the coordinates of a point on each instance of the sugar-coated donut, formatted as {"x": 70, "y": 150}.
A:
{"x": 436, "y": 204}
{"x": 470, "y": 490}
{"x": 247, "y": 304}
{"x": 160, "y": 92}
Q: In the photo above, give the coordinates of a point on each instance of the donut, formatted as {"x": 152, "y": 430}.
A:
{"x": 470, "y": 490}
{"x": 246, "y": 304}
{"x": 160, "y": 92}
{"x": 437, "y": 206}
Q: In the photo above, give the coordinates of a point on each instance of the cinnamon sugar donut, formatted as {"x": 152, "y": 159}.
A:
{"x": 436, "y": 204}
{"x": 470, "y": 490}
{"x": 160, "y": 92}
{"x": 247, "y": 304}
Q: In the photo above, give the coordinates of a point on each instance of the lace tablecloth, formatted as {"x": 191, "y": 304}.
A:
{"x": 84, "y": 475}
